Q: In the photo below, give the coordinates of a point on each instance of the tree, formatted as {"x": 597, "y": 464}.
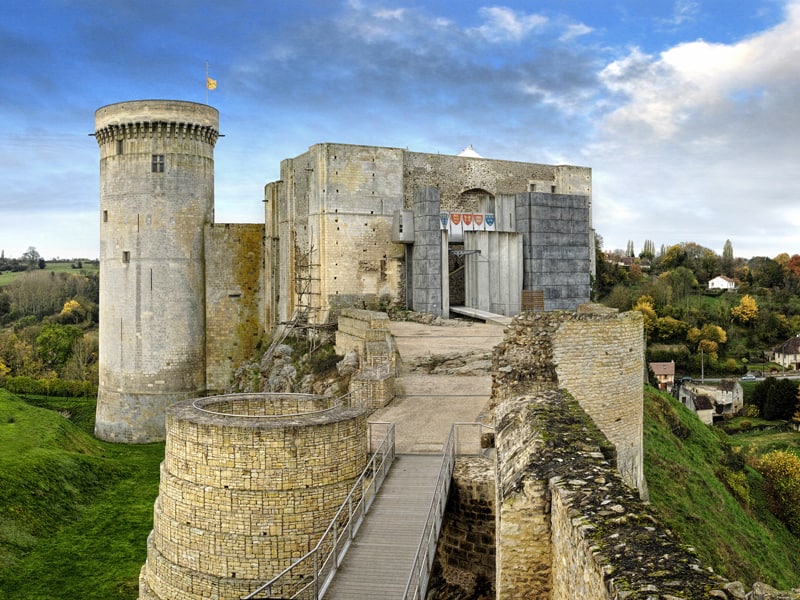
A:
{"x": 683, "y": 282}
{"x": 648, "y": 250}
{"x": 668, "y": 328}
{"x": 796, "y": 415}
{"x": 727, "y": 262}
{"x": 775, "y": 398}
{"x": 747, "y": 310}
{"x": 645, "y": 306}
{"x": 708, "y": 338}
{"x": 766, "y": 272}
{"x": 781, "y": 472}
{"x": 55, "y": 344}
{"x": 675, "y": 256}
{"x": 31, "y": 256}
{"x": 629, "y": 251}
{"x": 794, "y": 264}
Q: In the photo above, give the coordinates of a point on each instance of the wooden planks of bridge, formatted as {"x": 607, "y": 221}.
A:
{"x": 379, "y": 561}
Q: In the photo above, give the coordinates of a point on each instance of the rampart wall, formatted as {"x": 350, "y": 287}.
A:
{"x": 234, "y": 303}
{"x": 568, "y": 525}
{"x": 596, "y": 354}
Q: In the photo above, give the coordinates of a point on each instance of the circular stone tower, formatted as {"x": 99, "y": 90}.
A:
{"x": 249, "y": 484}
{"x": 156, "y": 197}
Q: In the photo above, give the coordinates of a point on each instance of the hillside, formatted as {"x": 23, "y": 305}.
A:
{"x": 74, "y": 512}
{"x": 685, "y": 464}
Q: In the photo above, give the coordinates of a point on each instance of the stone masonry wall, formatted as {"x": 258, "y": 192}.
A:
{"x": 569, "y": 527}
{"x": 456, "y": 175}
{"x": 234, "y": 298}
{"x": 465, "y": 554}
{"x": 367, "y": 333}
{"x": 598, "y": 356}
{"x": 248, "y": 485}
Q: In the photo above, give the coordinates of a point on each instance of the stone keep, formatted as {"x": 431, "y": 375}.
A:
{"x": 156, "y": 197}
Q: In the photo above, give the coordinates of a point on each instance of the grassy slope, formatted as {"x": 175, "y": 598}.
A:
{"x": 682, "y": 459}
{"x": 74, "y": 512}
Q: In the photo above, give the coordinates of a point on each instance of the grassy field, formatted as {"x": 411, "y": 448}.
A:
{"x": 7, "y": 277}
{"x": 75, "y": 512}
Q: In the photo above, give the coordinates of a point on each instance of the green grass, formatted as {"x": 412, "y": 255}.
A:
{"x": 684, "y": 461}
{"x": 75, "y": 512}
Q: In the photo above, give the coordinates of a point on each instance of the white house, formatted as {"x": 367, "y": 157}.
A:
{"x": 720, "y": 282}
{"x": 787, "y": 354}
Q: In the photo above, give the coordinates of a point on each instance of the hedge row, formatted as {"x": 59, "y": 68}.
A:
{"x": 49, "y": 387}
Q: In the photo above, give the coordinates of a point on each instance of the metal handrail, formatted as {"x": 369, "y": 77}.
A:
{"x": 310, "y": 575}
{"x": 426, "y": 550}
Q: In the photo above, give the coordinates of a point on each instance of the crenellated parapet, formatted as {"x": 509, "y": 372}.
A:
{"x": 156, "y": 129}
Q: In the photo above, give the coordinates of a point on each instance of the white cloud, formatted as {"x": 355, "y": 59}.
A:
{"x": 704, "y": 141}
{"x": 575, "y": 30}
{"x": 503, "y": 24}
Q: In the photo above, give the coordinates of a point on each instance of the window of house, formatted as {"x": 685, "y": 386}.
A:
{"x": 126, "y": 256}
{"x": 120, "y": 147}
{"x": 105, "y": 216}
{"x": 158, "y": 163}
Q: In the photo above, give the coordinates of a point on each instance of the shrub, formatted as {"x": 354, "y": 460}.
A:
{"x": 781, "y": 471}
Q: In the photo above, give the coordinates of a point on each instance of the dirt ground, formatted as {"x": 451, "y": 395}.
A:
{"x": 427, "y": 404}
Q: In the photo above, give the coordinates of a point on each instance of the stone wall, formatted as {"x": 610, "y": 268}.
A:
{"x": 367, "y": 334}
{"x": 595, "y": 354}
{"x": 465, "y": 555}
{"x": 458, "y": 178}
{"x": 234, "y": 301}
{"x": 568, "y": 525}
{"x": 248, "y": 485}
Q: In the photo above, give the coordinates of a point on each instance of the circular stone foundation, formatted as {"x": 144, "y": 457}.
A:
{"x": 249, "y": 483}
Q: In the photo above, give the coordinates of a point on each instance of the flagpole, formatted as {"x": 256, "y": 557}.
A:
{"x": 206, "y": 82}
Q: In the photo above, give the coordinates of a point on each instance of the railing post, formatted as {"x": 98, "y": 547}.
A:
{"x": 350, "y": 515}
{"x": 316, "y": 574}
{"x": 335, "y": 538}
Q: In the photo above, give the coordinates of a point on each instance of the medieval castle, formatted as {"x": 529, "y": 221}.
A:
{"x": 184, "y": 300}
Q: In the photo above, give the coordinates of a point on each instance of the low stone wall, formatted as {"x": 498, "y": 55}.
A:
{"x": 367, "y": 333}
{"x": 372, "y": 388}
{"x": 568, "y": 526}
{"x": 353, "y": 329}
{"x": 465, "y": 555}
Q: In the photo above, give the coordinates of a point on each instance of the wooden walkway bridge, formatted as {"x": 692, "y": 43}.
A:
{"x": 381, "y": 556}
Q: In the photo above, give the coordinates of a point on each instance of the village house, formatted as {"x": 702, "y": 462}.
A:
{"x": 664, "y": 373}
{"x": 786, "y": 354}
{"x": 720, "y": 282}
{"x": 726, "y": 398}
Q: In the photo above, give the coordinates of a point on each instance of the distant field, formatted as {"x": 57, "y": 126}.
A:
{"x": 7, "y": 277}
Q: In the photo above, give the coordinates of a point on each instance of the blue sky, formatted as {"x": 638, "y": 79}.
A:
{"x": 687, "y": 111}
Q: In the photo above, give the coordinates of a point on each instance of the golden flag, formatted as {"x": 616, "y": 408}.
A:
{"x": 211, "y": 84}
